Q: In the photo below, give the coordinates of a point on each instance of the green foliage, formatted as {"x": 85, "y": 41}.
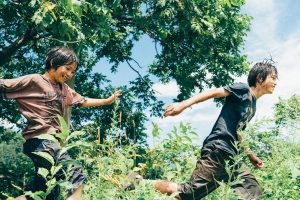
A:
{"x": 131, "y": 119}
{"x": 108, "y": 161}
{"x": 277, "y": 142}
{"x": 287, "y": 112}
{"x": 210, "y": 36}
{"x": 173, "y": 157}
{"x": 198, "y": 44}
{"x": 50, "y": 175}
{"x": 281, "y": 155}
{"x": 15, "y": 168}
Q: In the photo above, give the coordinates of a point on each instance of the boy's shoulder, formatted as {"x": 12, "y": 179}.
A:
{"x": 35, "y": 78}
{"x": 240, "y": 85}
{"x": 237, "y": 86}
{"x": 31, "y": 76}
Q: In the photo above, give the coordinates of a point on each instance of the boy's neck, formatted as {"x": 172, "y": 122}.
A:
{"x": 49, "y": 77}
{"x": 256, "y": 92}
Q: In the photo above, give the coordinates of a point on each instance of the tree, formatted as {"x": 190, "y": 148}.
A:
{"x": 200, "y": 45}
{"x": 15, "y": 167}
{"x": 287, "y": 112}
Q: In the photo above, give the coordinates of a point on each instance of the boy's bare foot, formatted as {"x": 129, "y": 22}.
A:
{"x": 134, "y": 179}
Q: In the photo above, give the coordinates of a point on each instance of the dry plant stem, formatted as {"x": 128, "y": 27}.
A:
{"x": 111, "y": 179}
{"x": 99, "y": 135}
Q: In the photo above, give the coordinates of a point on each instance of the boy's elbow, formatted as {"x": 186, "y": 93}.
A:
{"x": 221, "y": 92}
{"x": 85, "y": 103}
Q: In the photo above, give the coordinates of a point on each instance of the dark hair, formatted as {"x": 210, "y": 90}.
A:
{"x": 59, "y": 56}
{"x": 260, "y": 71}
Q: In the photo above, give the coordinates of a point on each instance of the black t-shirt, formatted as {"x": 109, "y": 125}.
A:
{"x": 238, "y": 110}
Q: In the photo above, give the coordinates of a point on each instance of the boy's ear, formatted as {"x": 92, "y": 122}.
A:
{"x": 51, "y": 63}
{"x": 259, "y": 79}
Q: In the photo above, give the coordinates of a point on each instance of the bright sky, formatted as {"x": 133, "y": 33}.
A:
{"x": 275, "y": 31}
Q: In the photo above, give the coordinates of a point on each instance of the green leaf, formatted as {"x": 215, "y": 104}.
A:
{"x": 84, "y": 144}
{"x": 187, "y": 139}
{"x": 52, "y": 183}
{"x": 55, "y": 169}
{"x": 74, "y": 134}
{"x": 33, "y": 195}
{"x": 295, "y": 171}
{"x": 63, "y": 28}
{"x": 169, "y": 175}
{"x": 237, "y": 2}
{"x": 194, "y": 138}
{"x": 194, "y": 133}
{"x": 170, "y": 135}
{"x": 173, "y": 195}
{"x": 66, "y": 184}
{"x": 183, "y": 127}
{"x": 46, "y": 156}
{"x": 64, "y": 129}
{"x": 32, "y": 3}
{"x": 178, "y": 167}
{"x": 76, "y": 3}
{"x": 67, "y": 147}
{"x": 48, "y": 137}
{"x": 161, "y": 3}
{"x": 70, "y": 162}
{"x": 43, "y": 172}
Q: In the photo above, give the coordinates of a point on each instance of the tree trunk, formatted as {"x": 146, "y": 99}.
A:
{"x": 67, "y": 116}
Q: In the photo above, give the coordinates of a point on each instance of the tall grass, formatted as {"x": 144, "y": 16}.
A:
{"x": 107, "y": 163}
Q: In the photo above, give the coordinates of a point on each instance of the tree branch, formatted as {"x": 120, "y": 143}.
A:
{"x": 134, "y": 69}
{"x": 68, "y": 42}
{"x": 10, "y": 50}
{"x": 139, "y": 74}
{"x": 9, "y": 177}
{"x": 156, "y": 47}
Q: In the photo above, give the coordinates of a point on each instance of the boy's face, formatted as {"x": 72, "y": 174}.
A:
{"x": 270, "y": 83}
{"x": 63, "y": 72}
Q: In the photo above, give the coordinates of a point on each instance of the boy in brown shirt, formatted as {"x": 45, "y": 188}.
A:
{"x": 40, "y": 99}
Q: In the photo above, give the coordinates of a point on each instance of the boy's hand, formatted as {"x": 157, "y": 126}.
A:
{"x": 115, "y": 96}
{"x": 258, "y": 163}
{"x": 174, "y": 109}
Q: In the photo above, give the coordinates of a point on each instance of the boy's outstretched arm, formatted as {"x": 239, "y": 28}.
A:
{"x": 101, "y": 102}
{"x": 176, "y": 108}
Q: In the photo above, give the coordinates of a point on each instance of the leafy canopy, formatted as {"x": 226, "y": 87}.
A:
{"x": 198, "y": 45}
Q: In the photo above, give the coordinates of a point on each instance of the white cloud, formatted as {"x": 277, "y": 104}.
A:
{"x": 166, "y": 90}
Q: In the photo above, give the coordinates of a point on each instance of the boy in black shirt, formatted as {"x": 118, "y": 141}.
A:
{"x": 238, "y": 110}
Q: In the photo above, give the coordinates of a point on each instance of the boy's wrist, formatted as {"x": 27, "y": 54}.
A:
{"x": 185, "y": 104}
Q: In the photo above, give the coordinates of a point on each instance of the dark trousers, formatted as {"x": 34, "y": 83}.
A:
{"x": 211, "y": 167}
{"x": 39, "y": 183}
